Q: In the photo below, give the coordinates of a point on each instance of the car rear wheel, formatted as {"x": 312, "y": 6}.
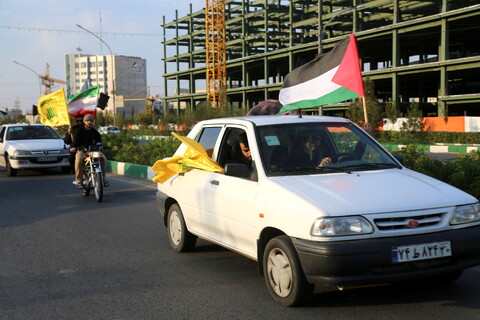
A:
{"x": 283, "y": 273}
{"x": 11, "y": 172}
{"x": 181, "y": 240}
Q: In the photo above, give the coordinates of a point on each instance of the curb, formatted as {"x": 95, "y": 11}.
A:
{"x": 435, "y": 148}
{"x": 130, "y": 170}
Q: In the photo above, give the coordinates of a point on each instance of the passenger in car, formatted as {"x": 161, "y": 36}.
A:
{"x": 241, "y": 151}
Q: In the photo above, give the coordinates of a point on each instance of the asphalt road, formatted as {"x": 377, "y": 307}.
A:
{"x": 63, "y": 256}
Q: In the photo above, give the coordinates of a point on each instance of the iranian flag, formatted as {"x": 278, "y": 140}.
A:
{"x": 85, "y": 102}
{"x": 330, "y": 78}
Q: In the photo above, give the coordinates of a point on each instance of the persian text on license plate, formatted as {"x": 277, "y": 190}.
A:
{"x": 421, "y": 251}
{"x": 47, "y": 159}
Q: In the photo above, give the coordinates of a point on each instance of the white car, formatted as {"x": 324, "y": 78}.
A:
{"x": 359, "y": 218}
{"x": 31, "y": 146}
{"x": 108, "y": 129}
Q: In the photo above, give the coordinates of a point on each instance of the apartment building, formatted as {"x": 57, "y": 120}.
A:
{"x": 123, "y": 78}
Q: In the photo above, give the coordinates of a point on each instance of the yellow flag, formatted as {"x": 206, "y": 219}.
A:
{"x": 53, "y": 109}
{"x": 195, "y": 157}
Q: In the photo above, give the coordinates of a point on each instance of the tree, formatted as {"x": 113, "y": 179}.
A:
{"x": 374, "y": 111}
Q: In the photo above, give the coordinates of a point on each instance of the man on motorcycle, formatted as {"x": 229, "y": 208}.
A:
{"x": 83, "y": 138}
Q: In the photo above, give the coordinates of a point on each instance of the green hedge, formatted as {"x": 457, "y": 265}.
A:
{"x": 462, "y": 172}
{"x": 124, "y": 148}
{"x": 427, "y": 137}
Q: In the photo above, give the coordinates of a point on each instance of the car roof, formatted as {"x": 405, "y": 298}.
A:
{"x": 24, "y": 125}
{"x": 274, "y": 119}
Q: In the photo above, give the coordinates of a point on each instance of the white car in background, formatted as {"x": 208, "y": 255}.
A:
{"x": 32, "y": 146}
{"x": 108, "y": 129}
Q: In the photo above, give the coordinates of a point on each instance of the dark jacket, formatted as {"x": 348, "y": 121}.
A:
{"x": 68, "y": 137}
{"x": 83, "y": 137}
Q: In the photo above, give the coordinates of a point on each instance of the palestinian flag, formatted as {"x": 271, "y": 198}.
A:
{"x": 330, "y": 78}
{"x": 84, "y": 103}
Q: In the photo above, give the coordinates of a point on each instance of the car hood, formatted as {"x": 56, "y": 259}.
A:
{"x": 373, "y": 191}
{"x": 40, "y": 144}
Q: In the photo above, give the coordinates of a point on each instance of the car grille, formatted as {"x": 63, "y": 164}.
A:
{"x": 46, "y": 153}
{"x": 408, "y": 222}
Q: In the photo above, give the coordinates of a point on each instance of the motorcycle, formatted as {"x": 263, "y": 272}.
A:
{"x": 92, "y": 172}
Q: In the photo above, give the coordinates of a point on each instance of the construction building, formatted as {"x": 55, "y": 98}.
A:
{"x": 123, "y": 78}
{"x": 413, "y": 51}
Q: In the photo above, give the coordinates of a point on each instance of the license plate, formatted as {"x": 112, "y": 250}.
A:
{"x": 47, "y": 159}
{"x": 421, "y": 251}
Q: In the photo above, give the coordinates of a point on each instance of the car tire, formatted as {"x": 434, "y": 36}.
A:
{"x": 11, "y": 172}
{"x": 181, "y": 240}
{"x": 283, "y": 273}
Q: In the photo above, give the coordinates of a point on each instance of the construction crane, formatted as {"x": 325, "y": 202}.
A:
{"x": 48, "y": 82}
{"x": 216, "y": 52}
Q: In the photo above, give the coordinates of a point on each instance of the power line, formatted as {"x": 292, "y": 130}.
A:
{"x": 124, "y": 34}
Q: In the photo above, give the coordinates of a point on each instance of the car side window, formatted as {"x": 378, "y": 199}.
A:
{"x": 208, "y": 137}
{"x": 2, "y": 132}
{"x": 226, "y": 147}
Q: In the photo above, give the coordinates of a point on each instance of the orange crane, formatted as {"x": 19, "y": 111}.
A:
{"x": 216, "y": 52}
{"x": 48, "y": 82}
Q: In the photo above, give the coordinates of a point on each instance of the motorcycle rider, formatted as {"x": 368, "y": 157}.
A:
{"x": 69, "y": 139}
{"x": 84, "y": 137}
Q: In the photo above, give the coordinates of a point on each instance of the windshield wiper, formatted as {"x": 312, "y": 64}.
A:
{"x": 380, "y": 165}
{"x": 341, "y": 169}
{"x": 311, "y": 169}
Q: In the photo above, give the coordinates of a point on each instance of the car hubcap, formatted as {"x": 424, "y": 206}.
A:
{"x": 279, "y": 272}
{"x": 175, "y": 228}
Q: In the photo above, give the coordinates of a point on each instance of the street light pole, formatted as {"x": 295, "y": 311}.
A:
{"x": 113, "y": 71}
{"x": 321, "y": 31}
{"x": 38, "y": 76}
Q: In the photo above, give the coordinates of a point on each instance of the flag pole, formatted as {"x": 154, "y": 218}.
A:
{"x": 365, "y": 109}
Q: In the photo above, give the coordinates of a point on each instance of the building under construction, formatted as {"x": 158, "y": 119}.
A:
{"x": 413, "y": 51}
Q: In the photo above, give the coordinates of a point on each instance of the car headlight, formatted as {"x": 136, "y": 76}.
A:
{"x": 17, "y": 153}
{"x": 466, "y": 214}
{"x": 64, "y": 152}
{"x": 343, "y": 226}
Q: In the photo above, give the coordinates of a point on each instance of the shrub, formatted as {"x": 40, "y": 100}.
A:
{"x": 462, "y": 172}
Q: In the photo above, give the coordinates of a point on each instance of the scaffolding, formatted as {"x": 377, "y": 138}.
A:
{"x": 425, "y": 51}
{"x": 215, "y": 45}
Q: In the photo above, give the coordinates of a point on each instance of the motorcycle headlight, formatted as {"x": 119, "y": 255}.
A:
{"x": 95, "y": 154}
{"x": 342, "y": 226}
{"x": 21, "y": 153}
{"x": 466, "y": 214}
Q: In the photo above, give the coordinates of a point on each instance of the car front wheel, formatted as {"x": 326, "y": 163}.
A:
{"x": 11, "y": 172}
{"x": 283, "y": 273}
{"x": 181, "y": 240}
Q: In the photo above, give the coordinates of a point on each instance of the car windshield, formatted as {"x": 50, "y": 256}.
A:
{"x": 31, "y": 133}
{"x": 317, "y": 148}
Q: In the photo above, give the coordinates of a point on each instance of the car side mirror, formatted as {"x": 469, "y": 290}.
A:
{"x": 399, "y": 158}
{"x": 239, "y": 170}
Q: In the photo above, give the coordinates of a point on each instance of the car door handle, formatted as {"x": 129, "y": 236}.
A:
{"x": 215, "y": 182}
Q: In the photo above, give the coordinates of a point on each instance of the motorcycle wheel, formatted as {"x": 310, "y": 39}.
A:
{"x": 86, "y": 184}
{"x": 98, "y": 186}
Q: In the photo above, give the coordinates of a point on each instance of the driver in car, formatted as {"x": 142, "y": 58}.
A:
{"x": 313, "y": 154}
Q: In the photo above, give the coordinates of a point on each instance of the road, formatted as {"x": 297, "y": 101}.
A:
{"x": 63, "y": 256}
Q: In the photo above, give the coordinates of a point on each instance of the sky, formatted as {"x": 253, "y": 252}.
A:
{"x": 35, "y": 33}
